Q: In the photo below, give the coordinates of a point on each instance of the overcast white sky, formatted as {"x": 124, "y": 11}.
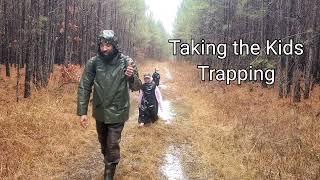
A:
{"x": 165, "y": 11}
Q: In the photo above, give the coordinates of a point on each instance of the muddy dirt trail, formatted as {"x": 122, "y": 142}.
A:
{"x": 161, "y": 151}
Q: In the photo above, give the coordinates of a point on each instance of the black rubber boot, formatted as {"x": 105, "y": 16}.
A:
{"x": 109, "y": 171}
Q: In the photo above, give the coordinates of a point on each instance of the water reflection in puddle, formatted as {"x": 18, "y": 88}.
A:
{"x": 168, "y": 74}
{"x": 167, "y": 113}
{"x": 172, "y": 168}
{"x": 162, "y": 86}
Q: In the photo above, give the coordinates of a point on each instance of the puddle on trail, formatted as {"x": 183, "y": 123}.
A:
{"x": 167, "y": 113}
{"x": 162, "y": 86}
{"x": 168, "y": 74}
{"x": 172, "y": 168}
{"x": 167, "y": 77}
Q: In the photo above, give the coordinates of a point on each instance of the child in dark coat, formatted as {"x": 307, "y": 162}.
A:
{"x": 149, "y": 100}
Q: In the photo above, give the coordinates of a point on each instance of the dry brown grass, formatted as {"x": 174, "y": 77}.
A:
{"x": 246, "y": 132}
{"x": 225, "y": 132}
{"x": 41, "y": 137}
{"x": 38, "y": 136}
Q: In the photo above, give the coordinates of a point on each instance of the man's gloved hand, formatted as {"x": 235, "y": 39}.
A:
{"x": 84, "y": 121}
{"x": 129, "y": 72}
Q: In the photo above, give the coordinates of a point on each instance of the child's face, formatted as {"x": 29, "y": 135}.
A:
{"x": 147, "y": 80}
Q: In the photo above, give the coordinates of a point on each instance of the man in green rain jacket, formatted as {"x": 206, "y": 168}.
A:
{"x": 112, "y": 74}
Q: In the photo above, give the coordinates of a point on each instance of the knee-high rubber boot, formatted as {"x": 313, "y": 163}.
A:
{"x": 109, "y": 171}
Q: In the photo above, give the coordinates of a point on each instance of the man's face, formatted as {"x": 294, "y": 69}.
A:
{"x": 106, "y": 48}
